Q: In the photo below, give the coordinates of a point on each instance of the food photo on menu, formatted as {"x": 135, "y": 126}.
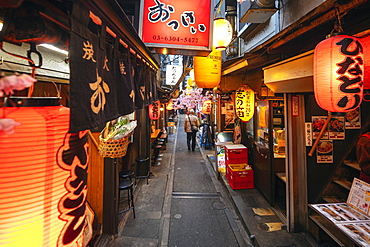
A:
{"x": 318, "y": 123}
{"x": 353, "y": 119}
{"x": 336, "y": 128}
{"x": 324, "y": 151}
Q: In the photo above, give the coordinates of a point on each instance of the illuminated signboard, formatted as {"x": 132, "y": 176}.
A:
{"x": 177, "y": 24}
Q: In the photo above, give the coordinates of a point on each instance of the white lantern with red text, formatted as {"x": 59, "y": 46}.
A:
{"x": 207, "y": 107}
{"x": 339, "y": 73}
{"x": 154, "y": 110}
{"x": 244, "y": 103}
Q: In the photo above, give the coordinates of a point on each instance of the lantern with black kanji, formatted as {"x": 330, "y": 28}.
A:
{"x": 207, "y": 107}
{"x": 207, "y": 70}
{"x": 154, "y": 110}
{"x": 339, "y": 73}
{"x": 244, "y": 103}
{"x": 39, "y": 164}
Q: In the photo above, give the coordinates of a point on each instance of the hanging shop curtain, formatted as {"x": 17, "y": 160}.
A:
{"x": 101, "y": 87}
{"x": 126, "y": 99}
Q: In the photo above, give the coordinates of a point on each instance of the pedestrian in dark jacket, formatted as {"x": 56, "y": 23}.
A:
{"x": 190, "y": 120}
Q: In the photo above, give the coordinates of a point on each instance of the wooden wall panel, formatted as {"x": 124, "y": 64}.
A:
{"x": 95, "y": 177}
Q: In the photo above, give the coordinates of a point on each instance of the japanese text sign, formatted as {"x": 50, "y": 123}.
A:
{"x": 173, "y": 74}
{"x": 176, "y": 23}
{"x": 244, "y": 103}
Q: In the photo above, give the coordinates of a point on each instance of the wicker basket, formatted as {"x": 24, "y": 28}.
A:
{"x": 114, "y": 148}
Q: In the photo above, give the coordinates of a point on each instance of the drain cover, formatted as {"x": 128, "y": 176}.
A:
{"x": 219, "y": 205}
{"x": 177, "y": 216}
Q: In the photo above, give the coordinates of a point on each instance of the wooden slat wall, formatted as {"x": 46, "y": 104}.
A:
{"x": 95, "y": 178}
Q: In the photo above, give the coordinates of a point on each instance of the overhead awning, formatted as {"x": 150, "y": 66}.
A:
{"x": 294, "y": 75}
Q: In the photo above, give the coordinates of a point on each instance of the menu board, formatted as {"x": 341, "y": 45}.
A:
{"x": 352, "y": 217}
{"x": 359, "y": 196}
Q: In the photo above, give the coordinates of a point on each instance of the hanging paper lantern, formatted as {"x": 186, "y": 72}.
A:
{"x": 154, "y": 110}
{"x": 207, "y": 70}
{"x": 222, "y": 33}
{"x": 244, "y": 103}
{"x": 207, "y": 107}
{"x": 170, "y": 106}
{"x": 39, "y": 165}
{"x": 339, "y": 73}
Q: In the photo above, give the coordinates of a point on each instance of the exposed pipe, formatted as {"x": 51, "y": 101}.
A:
{"x": 265, "y": 3}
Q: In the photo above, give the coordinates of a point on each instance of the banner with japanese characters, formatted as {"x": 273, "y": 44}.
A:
{"x": 126, "y": 99}
{"x": 93, "y": 87}
{"x": 176, "y": 24}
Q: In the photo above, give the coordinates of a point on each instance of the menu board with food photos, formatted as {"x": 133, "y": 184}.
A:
{"x": 352, "y": 217}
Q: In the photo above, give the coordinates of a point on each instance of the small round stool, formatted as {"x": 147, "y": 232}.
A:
{"x": 126, "y": 184}
{"x": 142, "y": 160}
{"x": 126, "y": 174}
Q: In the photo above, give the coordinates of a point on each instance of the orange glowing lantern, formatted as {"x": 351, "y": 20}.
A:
{"x": 154, "y": 110}
{"x": 339, "y": 73}
{"x": 43, "y": 171}
{"x": 207, "y": 70}
{"x": 207, "y": 107}
{"x": 244, "y": 103}
{"x": 169, "y": 106}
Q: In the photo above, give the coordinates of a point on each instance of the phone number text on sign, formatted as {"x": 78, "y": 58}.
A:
{"x": 175, "y": 39}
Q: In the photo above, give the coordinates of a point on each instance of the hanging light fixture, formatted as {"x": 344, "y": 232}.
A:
{"x": 222, "y": 33}
{"x": 339, "y": 73}
{"x": 154, "y": 110}
{"x": 207, "y": 70}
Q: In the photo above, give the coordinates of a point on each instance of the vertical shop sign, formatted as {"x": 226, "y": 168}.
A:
{"x": 295, "y": 106}
{"x": 173, "y": 74}
{"x": 176, "y": 23}
{"x": 308, "y": 133}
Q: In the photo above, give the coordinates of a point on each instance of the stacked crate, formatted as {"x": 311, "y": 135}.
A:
{"x": 238, "y": 172}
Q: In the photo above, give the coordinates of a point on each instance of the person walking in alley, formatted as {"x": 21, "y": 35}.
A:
{"x": 191, "y": 125}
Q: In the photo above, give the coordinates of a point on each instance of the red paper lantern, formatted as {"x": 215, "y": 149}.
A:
{"x": 154, "y": 110}
{"x": 339, "y": 73}
{"x": 37, "y": 168}
{"x": 207, "y": 107}
{"x": 244, "y": 103}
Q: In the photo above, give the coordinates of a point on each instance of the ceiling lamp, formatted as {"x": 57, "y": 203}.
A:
{"x": 339, "y": 73}
{"x": 222, "y": 33}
